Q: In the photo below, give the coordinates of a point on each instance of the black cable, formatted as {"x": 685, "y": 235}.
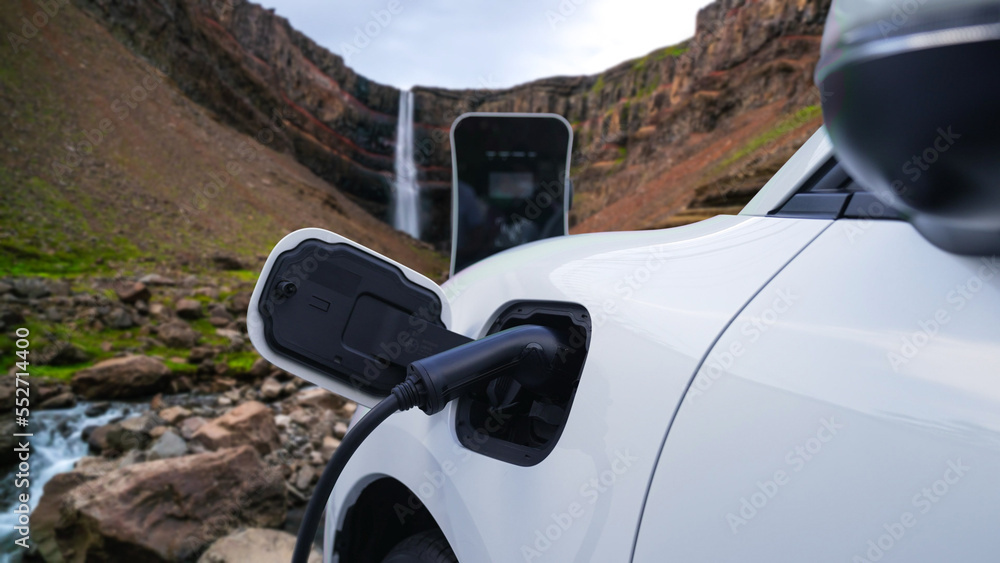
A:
{"x": 354, "y": 438}
{"x": 431, "y": 384}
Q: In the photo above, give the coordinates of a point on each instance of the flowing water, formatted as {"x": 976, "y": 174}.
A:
{"x": 56, "y": 446}
{"x": 406, "y": 207}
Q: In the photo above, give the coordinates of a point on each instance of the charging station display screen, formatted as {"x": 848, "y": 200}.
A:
{"x": 510, "y": 187}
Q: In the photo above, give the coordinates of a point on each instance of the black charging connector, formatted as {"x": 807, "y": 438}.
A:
{"x": 528, "y": 354}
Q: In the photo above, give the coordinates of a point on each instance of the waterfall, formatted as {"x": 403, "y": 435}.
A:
{"x": 407, "y": 197}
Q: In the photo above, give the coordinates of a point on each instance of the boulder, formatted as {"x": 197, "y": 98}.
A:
{"x": 191, "y": 425}
{"x": 330, "y": 445}
{"x": 62, "y": 354}
{"x": 270, "y": 389}
{"x": 318, "y": 398}
{"x": 340, "y": 429}
{"x": 64, "y": 400}
{"x": 129, "y": 434}
{"x": 250, "y": 423}
{"x": 260, "y": 368}
{"x": 118, "y": 318}
{"x": 178, "y": 334}
{"x": 30, "y": 288}
{"x": 119, "y": 378}
{"x": 217, "y": 311}
{"x": 97, "y": 437}
{"x": 227, "y": 262}
{"x": 132, "y": 292}
{"x": 173, "y": 415}
{"x": 257, "y": 545}
{"x": 305, "y": 477}
{"x": 168, "y": 445}
{"x": 158, "y": 511}
{"x": 239, "y": 303}
{"x": 188, "y": 309}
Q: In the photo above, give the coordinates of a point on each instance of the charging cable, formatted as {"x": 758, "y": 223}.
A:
{"x": 527, "y": 353}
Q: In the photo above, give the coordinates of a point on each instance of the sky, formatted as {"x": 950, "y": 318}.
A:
{"x": 487, "y": 44}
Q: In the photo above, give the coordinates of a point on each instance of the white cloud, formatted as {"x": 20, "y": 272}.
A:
{"x": 476, "y": 43}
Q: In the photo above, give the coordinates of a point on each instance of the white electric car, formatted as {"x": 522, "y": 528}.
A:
{"x": 815, "y": 379}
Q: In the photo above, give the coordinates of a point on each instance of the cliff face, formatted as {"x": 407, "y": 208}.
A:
{"x": 258, "y": 74}
{"x": 746, "y": 72}
{"x": 650, "y": 134}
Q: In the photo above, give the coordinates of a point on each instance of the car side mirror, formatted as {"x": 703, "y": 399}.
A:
{"x": 344, "y": 317}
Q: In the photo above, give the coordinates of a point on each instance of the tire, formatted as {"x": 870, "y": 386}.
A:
{"x": 425, "y": 547}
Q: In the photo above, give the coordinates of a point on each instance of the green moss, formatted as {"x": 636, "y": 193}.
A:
{"x": 785, "y": 126}
{"x": 62, "y": 373}
{"x": 239, "y": 361}
{"x": 599, "y": 85}
{"x": 46, "y": 232}
{"x": 181, "y": 368}
{"x": 673, "y": 51}
{"x": 640, "y": 64}
{"x": 622, "y": 153}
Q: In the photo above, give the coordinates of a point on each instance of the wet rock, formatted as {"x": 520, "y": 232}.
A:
{"x": 97, "y": 438}
{"x": 178, "y": 334}
{"x": 188, "y": 309}
{"x": 168, "y": 445}
{"x": 5, "y": 288}
{"x": 117, "y": 378}
{"x": 131, "y": 433}
{"x": 250, "y": 423}
{"x": 132, "y": 292}
{"x": 61, "y": 401}
{"x": 257, "y": 545}
{"x": 97, "y": 409}
{"x": 164, "y": 510}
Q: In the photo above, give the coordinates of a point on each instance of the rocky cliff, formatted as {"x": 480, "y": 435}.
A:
{"x": 642, "y": 128}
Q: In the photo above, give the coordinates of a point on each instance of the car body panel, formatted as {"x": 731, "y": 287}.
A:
{"x": 879, "y": 382}
{"x": 658, "y": 301}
